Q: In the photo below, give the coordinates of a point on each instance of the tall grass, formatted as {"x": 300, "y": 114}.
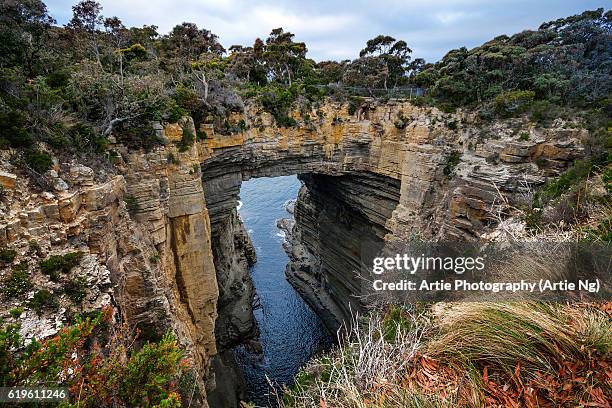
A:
{"x": 367, "y": 368}
{"x": 466, "y": 355}
{"x": 538, "y": 336}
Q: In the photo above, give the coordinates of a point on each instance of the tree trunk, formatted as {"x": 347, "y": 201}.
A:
{"x": 202, "y": 78}
{"x": 121, "y": 70}
{"x": 96, "y": 50}
{"x": 288, "y": 73}
{"x": 205, "y": 82}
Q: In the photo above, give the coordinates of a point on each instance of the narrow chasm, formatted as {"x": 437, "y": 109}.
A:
{"x": 288, "y": 251}
{"x": 289, "y": 330}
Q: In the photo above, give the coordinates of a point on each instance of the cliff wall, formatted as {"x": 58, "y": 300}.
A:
{"x": 384, "y": 174}
{"x": 163, "y": 242}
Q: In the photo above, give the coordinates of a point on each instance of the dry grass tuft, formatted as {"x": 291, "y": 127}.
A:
{"x": 468, "y": 354}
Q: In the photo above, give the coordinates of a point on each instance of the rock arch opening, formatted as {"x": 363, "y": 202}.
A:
{"x": 340, "y": 220}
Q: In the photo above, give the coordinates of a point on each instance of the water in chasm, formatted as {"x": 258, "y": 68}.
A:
{"x": 290, "y": 332}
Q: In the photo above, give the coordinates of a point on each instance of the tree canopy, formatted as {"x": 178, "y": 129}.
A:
{"x": 566, "y": 61}
{"x": 74, "y": 86}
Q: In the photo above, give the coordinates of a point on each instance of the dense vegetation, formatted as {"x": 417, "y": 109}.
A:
{"x": 565, "y": 62}
{"x": 74, "y": 86}
{"x": 101, "y": 366}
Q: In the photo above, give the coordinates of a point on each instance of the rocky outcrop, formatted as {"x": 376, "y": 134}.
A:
{"x": 162, "y": 225}
{"x": 385, "y": 180}
{"x": 146, "y": 237}
{"x": 90, "y": 220}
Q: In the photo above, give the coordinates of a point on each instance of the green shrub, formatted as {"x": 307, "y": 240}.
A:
{"x": 513, "y": 102}
{"x": 242, "y": 125}
{"x": 176, "y": 113}
{"x": 486, "y": 114}
{"x": 533, "y": 218}
{"x": 82, "y": 136}
{"x": 452, "y": 161}
{"x": 581, "y": 169}
{"x": 189, "y": 103}
{"x": 38, "y": 161}
{"x": 138, "y": 133}
{"x": 39, "y": 363}
{"x": 395, "y": 320}
{"x": 421, "y": 101}
{"x": 59, "y": 78}
{"x": 278, "y": 100}
{"x": 7, "y": 255}
{"x": 13, "y": 129}
{"x": 542, "y": 112}
{"x": 148, "y": 370}
{"x": 16, "y": 312}
{"x": 201, "y": 135}
{"x": 524, "y": 136}
{"x": 353, "y": 105}
{"x": 75, "y": 289}
{"x": 447, "y": 107}
{"x": 172, "y": 159}
{"x": 132, "y": 205}
{"x": 285, "y": 121}
{"x": 60, "y": 263}
{"x": 34, "y": 247}
{"x": 186, "y": 140}
{"x": 18, "y": 282}
{"x": 43, "y": 299}
{"x": 302, "y": 381}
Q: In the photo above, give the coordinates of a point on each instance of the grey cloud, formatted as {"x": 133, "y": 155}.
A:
{"x": 338, "y": 29}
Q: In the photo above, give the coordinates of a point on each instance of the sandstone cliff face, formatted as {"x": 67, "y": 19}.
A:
{"x": 178, "y": 257}
{"x": 156, "y": 249}
{"x": 394, "y": 171}
{"x": 166, "y": 185}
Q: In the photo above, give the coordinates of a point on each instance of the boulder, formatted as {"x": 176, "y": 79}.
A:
{"x": 8, "y": 180}
{"x": 82, "y": 175}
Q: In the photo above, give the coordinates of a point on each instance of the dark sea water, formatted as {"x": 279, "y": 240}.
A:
{"x": 290, "y": 331}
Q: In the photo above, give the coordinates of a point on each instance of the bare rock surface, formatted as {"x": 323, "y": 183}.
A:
{"x": 162, "y": 242}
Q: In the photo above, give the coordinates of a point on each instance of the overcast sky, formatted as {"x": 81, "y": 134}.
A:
{"x": 338, "y": 29}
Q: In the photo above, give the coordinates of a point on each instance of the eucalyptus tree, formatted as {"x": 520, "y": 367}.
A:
{"x": 381, "y": 64}
{"x": 86, "y": 22}
{"x": 24, "y": 31}
{"x": 283, "y": 56}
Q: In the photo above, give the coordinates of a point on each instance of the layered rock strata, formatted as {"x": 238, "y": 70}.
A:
{"x": 340, "y": 227}
{"x": 451, "y": 174}
{"x": 163, "y": 227}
